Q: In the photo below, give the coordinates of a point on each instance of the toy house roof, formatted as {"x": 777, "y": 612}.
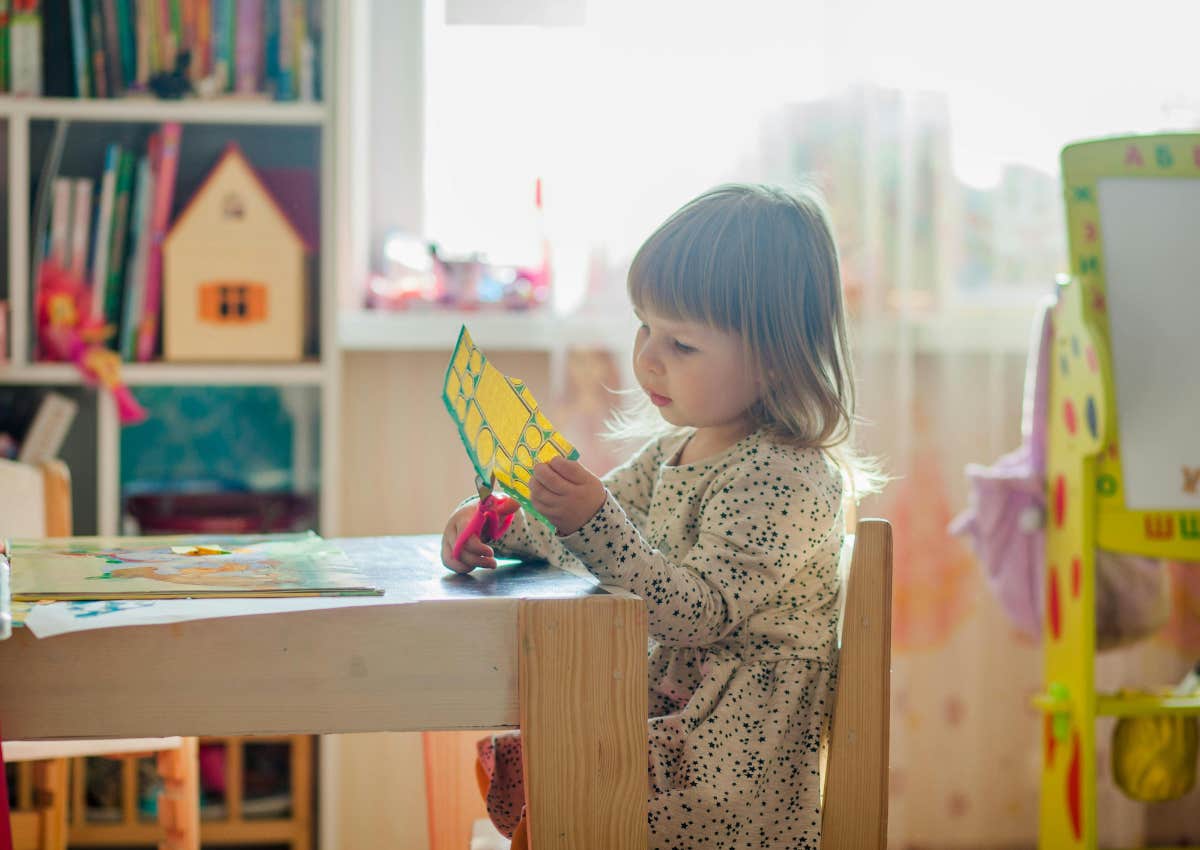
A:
{"x": 234, "y": 152}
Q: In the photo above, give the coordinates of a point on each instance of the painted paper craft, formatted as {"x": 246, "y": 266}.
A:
{"x": 499, "y": 422}
{"x": 99, "y": 568}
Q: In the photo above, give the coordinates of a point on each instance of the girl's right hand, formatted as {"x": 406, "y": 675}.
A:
{"x": 475, "y": 553}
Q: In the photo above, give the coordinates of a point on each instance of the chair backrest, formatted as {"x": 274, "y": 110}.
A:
{"x": 35, "y": 501}
{"x": 856, "y": 784}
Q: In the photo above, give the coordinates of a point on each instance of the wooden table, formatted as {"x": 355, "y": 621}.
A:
{"x": 527, "y": 645}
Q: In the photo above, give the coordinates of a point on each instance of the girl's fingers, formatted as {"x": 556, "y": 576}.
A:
{"x": 545, "y": 475}
{"x": 475, "y": 553}
{"x": 479, "y": 553}
{"x": 449, "y": 561}
{"x": 539, "y": 493}
{"x": 507, "y": 506}
{"x": 571, "y": 470}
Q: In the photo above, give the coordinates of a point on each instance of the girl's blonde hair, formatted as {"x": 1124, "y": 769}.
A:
{"x": 761, "y": 262}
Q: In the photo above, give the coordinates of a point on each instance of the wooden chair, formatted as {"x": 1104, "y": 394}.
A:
{"x": 854, "y": 816}
{"x": 36, "y": 502}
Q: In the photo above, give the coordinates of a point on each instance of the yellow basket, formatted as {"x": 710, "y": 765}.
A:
{"x": 1154, "y": 757}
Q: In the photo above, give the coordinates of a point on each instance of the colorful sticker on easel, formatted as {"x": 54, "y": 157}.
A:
{"x": 1074, "y": 789}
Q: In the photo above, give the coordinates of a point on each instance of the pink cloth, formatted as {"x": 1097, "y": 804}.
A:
{"x": 1005, "y": 520}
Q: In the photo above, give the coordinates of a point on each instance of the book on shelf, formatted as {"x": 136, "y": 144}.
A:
{"x": 104, "y": 226}
{"x": 113, "y": 48}
{"x": 135, "y": 272}
{"x": 160, "y": 219}
{"x": 81, "y": 220}
{"x": 25, "y": 47}
{"x": 114, "y": 275}
{"x": 59, "y": 250}
{"x": 112, "y": 238}
{"x": 5, "y": 21}
{"x": 80, "y": 61}
{"x": 49, "y": 429}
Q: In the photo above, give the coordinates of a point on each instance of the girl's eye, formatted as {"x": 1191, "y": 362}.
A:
{"x": 683, "y": 348}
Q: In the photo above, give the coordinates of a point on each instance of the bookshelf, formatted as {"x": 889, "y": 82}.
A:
{"x": 332, "y": 138}
{"x": 274, "y": 134}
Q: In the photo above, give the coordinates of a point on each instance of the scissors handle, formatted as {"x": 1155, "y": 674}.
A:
{"x": 487, "y": 522}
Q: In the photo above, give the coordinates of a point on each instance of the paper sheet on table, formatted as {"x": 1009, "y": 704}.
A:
{"x": 234, "y": 566}
{"x": 59, "y": 618}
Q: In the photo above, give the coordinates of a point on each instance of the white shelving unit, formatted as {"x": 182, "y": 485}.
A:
{"x": 323, "y": 374}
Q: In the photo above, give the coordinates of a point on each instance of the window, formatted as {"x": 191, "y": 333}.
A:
{"x": 233, "y": 303}
{"x": 933, "y": 128}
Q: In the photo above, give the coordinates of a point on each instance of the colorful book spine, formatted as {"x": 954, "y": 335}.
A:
{"x": 25, "y": 48}
{"x": 160, "y": 218}
{"x": 271, "y": 47}
{"x": 5, "y": 22}
{"x": 127, "y": 36}
{"x": 175, "y": 24}
{"x": 114, "y": 288}
{"x": 202, "y": 49}
{"x": 222, "y": 50}
{"x": 79, "y": 50}
{"x": 108, "y": 191}
{"x": 112, "y": 49}
{"x": 96, "y": 42}
{"x": 187, "y": 30}
{"x": 249, "y": 46}
{"x": 286, "y": 88}
{"x": 166, "y": 38}
{"x": 148, "y": 21}
{"x": 59, "y": 251}
{"x": 303, "y": 53}
{"x": 81, "y": 210}
{"x": 135, "y": 269}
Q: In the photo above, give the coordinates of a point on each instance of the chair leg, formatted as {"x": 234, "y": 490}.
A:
{"x": 179, "y": 803}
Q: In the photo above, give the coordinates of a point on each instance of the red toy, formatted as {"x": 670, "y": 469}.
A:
{"x": 67, "y": 332}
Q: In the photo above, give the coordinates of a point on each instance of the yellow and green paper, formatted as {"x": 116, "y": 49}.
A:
{"x": 499, "y": 422}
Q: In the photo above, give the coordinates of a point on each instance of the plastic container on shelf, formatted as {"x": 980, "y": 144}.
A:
{"x": 226, "y": 512}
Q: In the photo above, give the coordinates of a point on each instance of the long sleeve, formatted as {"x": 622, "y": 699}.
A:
{"x": 756, "y": 532}
{"x": 631, "y": 484}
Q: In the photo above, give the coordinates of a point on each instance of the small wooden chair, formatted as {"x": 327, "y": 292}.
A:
{"x": 36, "y": 502}
{"x": 854, "y": 816}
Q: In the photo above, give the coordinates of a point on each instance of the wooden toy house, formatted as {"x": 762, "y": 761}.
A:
{"x": 235, "y": 272}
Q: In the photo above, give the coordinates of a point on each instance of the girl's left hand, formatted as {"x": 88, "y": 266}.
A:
{"x": 567, "y": 493}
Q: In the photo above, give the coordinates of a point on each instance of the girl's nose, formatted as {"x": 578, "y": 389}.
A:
{"x": 648, "y": 360}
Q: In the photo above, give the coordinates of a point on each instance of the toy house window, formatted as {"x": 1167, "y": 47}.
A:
{"x": 227, "y": 303}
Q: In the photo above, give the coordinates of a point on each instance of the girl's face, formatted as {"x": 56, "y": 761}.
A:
{"x": 696, "y": 375}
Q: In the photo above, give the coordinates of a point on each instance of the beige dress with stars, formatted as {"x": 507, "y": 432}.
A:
{"x": 737, "y": 559}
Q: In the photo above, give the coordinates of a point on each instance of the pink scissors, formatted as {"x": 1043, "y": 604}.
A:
{"x": 487, "y": 521}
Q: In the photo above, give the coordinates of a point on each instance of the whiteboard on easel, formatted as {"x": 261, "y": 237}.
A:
{"x": 1151, "y": 256}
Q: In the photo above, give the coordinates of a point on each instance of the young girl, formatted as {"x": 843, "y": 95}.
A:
{"x": 728, "y": 523}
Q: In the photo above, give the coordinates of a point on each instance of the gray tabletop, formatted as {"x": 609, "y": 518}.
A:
{"x": 409, "y": 569}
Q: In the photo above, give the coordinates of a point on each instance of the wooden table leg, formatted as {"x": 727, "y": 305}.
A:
{"x": 583, "y": 704}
